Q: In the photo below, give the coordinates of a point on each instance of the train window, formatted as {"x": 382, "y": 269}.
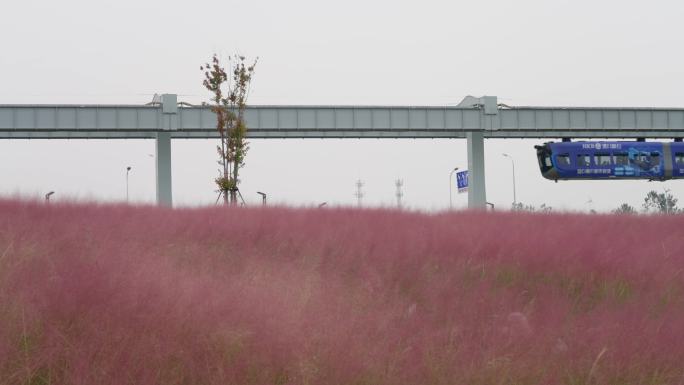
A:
{"x": 655, "y": 158}
{"x": 621, "y": 159}
{"x": 563, "y": 159}
{"x": 642, "y": 158}
{"x": 679, "y": 158}
{"x": 602, "y": 159}
{"x": 583, "y": 160}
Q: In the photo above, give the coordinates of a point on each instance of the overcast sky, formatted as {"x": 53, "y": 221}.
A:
{"x": 567, "y": 53}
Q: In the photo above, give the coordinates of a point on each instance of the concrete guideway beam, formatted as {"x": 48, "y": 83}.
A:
{"x": 128, "y": 121}
{"x": 255, "y": 133}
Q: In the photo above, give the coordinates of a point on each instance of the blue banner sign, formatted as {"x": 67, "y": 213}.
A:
{"x": 462, "y": 181}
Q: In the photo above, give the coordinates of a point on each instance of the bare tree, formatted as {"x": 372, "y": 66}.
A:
{"x": 625, "y": 208}
{"x": 664, "y": 203}
{"x": 519, "y": 206}
{"x": 229, "y": 107}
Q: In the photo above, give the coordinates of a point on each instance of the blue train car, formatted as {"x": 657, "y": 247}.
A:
{"x": 611, "y": 160}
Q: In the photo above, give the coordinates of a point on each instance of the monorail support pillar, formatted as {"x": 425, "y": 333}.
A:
{"x": 169, "y": 122}
{"x": 163, "y": 163}
{"x": 477, "y": 196}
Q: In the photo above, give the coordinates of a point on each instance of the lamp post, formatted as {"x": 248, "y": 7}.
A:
{"x": 515, "y": 200}
{"x": 47, "y": 196}
{"x": 451, "y": 180}
{"x": 263, "y": 197}
{"x": 128, "y": 169}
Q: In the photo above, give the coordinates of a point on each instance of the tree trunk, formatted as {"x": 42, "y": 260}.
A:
{"x": 224, "y": 161}
{"x": 234, "y": 190}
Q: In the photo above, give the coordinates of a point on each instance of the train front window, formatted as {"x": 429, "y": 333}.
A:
{"x": 583, "y": 160}
{"x": 621, "y": 159}
{"x": 544, "y": 157}
{"x": 602, "y": 159}
{"x": 679, "y": 158}
{"x": 563, "y": 160}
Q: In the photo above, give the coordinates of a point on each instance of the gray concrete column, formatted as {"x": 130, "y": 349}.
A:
{"x": 477, "y": 196}
{"x": 163, "y": 160}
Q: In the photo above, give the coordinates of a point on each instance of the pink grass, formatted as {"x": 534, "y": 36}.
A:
{"x": 140, "y": 295}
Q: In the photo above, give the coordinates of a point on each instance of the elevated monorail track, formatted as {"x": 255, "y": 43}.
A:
{"x": 283, "y": 122}
{"x": 474, "y": 119}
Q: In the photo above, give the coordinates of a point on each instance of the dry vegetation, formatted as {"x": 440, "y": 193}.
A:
{"x": 140, "y": 295}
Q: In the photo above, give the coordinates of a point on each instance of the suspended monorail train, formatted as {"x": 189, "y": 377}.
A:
{"x": 611, "y": 160}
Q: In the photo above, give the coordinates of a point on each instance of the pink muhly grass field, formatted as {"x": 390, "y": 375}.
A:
{"x": 141, "y": 295}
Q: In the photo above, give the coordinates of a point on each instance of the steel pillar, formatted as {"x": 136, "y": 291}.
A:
{"x": 163, "y": 163}
{"x": 477, "y": 196}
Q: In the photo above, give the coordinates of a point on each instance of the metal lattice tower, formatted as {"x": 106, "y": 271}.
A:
{"x": 399, "y": 184}
{"x": 359, "y": 192}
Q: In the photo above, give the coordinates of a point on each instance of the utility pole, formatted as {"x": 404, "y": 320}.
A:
{"x": 451, "y": 182}
{"x": 515, "y": 199}
{"x": 359, "y": 192}
{"x": 399, "y": 183}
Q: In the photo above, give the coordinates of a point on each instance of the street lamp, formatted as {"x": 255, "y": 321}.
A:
{"x": 47, "y": 196}
{"x": 263, "y": 197}
{"x": 128, "y": 169}
{"x": 512, "y": 163}
{"x": 451, "y": 180}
